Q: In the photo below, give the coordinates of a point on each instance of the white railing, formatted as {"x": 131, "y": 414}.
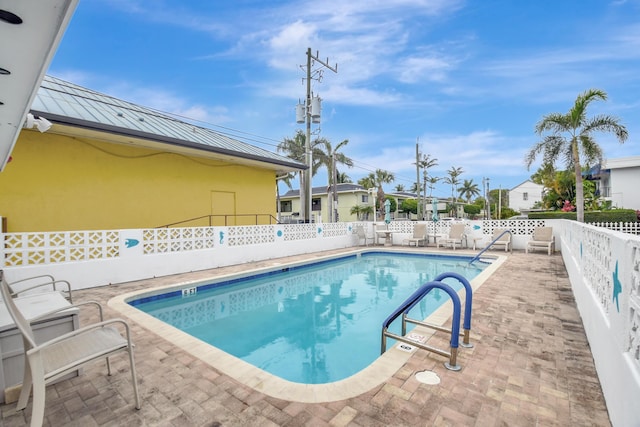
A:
{"x": 623, "y": 227}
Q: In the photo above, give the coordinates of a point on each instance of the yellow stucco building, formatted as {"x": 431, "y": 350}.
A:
{"x": 109, "y": 164}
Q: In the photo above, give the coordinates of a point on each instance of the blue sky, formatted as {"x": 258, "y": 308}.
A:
{"x": 467, "y": 80}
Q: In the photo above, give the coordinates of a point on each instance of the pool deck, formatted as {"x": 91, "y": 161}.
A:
{"x": 530, "y": 366}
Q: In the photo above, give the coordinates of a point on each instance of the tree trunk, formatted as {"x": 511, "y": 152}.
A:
{"x": 579, "y": 186}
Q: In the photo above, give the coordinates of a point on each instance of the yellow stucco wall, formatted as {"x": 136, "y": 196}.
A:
{"x": 56, "y": 183}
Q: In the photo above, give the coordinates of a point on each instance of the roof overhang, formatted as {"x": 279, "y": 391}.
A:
{"x": 78, "y": 128}
{"x": 30, "y": 31}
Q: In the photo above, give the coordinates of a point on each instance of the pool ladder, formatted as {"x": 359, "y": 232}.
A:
{"x": 477, "y": 257}
{"x": 414, "y": 299}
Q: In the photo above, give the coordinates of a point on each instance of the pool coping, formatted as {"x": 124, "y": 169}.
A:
{"x": 378, "y": 372}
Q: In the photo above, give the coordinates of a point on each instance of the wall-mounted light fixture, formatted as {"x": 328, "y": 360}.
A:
{"x": 39, "y": 123}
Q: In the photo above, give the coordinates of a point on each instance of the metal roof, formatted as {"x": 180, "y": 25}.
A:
{"x": 30, "y": 31}
{"x": 341, "y": 188}
{"x": 68, "y": 104}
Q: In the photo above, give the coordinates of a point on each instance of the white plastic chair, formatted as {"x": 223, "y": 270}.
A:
{"x": 419, "y": 236}
{"x": 48, "y": 361}
{"x": 456, "y": 235}
{"x": 362, "y": 236}
{"x": 504, "y": 240}
{"x": 542, "y": 237}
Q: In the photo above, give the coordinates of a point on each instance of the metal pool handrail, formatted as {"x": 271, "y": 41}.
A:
{"x": 468, "y": 303}
{"x": 477, "y": 257}
{"x": 412, "y": 300}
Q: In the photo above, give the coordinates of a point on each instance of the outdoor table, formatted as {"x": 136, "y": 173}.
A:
{"x": 388, "y": 241}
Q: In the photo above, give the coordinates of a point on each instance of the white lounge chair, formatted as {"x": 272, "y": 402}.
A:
{"x": 362, "y": 236}
{"x": 503, "y": 241}
{"x": 48, "y": 361}
{"x": 419, "y": 236}
{"x": 542, "y": 237}
{"x": 42, "y": 283}
{"x": 456, "y": 235}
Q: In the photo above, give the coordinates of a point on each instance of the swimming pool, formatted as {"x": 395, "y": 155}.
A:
{"x": 310, "y": 324}
{"x": 383, "y": 368}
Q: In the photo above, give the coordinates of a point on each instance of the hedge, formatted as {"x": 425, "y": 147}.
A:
{"x": 614, "y": 215}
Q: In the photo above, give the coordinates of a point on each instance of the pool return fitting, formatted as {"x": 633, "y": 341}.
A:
{"x": 414, "y": 299}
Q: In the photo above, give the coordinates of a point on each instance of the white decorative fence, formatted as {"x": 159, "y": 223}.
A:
{"x": 623, "y": 227}
{"x": 95, "y": 258}
{"x": 603, "y": 266}
{"x": 604, "y": 269}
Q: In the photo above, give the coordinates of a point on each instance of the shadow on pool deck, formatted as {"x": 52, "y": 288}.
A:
{"x": 531, "y": 365}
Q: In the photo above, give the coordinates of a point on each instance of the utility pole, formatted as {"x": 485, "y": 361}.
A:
{"x": 488, "y": 200}
{"x": 499, "y": 202}
{"x": 310, "y": 116}
{"x": 418, "y": 216}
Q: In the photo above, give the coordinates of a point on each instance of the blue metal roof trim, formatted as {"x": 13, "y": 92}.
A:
{"x": 58, "y": 100}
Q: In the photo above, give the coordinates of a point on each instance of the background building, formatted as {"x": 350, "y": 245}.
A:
{"x": 525, "y": 195}
{"x": 97, "y": 162}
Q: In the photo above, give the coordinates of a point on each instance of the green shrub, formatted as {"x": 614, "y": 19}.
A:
{"x": 614, "y": 215}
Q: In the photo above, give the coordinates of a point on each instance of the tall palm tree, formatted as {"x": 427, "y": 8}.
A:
{"x": 425, "y": 163}
{"x": 453, "y": 180}
{"x": 432, "y": 181}
{"x": 570, "y": 137}
{"x": 324, "y": 152}
{"x": 382, "y": 177}
{"x": 469, "y": 190}
{"x": 368, "y": 181}
{"x": 328, "y": 156}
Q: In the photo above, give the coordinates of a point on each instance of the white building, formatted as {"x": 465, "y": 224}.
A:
{"x": 617, "y": 180}
{"x": 525, "y": 195}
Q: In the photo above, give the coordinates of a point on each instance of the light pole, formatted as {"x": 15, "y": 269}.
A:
{"x": 309, "y": 112}
{"x": 488, "y": 201}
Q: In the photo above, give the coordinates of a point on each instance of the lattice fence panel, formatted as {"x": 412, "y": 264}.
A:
{"x": 335, "y": 229}
{"x": 633, "y": 332}
{"x": 244, "y": 235}
{"x": 167, "y": 240}
{"x": 596, "y": 263}
{"x": 300, "y": 231}
{"x": 59, "y": 247}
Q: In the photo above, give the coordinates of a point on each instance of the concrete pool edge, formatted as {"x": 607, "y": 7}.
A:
{"x": 375, "y": 374}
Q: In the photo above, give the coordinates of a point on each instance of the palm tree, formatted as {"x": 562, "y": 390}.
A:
{"x": 399, "y": 188}
{"x": 323, "y": 152}
{"x": 571, "y": 137}
{"x": 328, "y": 157}
{"x": 425, "y": 163}
{"x": 469, "y": 190}
{"x": 382, "y": 177}
{"x": 342, "y": 177}
{"x": 368, "y": 181}
{"x": 453, "y": 180}
{"x": 432, "y": 180}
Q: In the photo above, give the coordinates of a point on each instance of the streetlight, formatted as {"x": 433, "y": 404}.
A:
{"x": 309, "y": 112}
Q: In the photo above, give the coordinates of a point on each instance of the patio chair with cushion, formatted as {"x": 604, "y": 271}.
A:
{"x": 48, "y": 361}
{"x": 362, "y": 236}
{"x": 503, "y": 241}
{"x": 455, "y": 236}
{"x": 419, "y": 236}
{"x": 542, "y": 237}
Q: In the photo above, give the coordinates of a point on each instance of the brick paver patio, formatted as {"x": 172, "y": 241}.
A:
{"x": 531, "y": 366}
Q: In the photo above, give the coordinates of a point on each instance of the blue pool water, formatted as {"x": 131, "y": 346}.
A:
{"x": 312, "y": 324}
